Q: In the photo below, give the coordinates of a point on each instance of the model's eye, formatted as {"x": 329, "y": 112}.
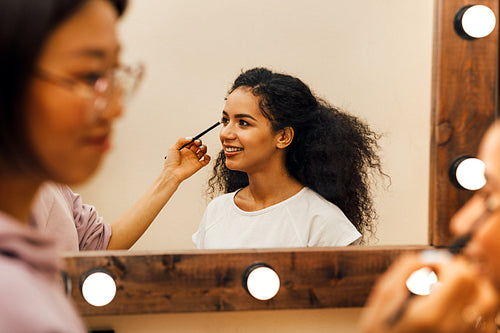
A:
{"x": 243, "y": 123}
{"x": 224, "y": 120}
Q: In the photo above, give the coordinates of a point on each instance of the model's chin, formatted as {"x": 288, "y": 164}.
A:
{"x": 232, "y": 166}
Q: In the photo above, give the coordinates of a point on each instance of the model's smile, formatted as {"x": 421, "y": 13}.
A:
{"x": 232, "y": 149}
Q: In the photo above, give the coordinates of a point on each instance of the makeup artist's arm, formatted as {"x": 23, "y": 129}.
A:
{"x": 178, "y": 166}
{"x": 464, "y": 301}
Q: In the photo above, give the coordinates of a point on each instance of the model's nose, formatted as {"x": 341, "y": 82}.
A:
{"x": 227, "y": 132}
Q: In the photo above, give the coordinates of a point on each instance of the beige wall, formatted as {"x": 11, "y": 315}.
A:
{"x": 372, "y": 58}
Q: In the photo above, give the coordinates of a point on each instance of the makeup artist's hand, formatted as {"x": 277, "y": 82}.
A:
{"x": 464, "y": 301}
{"x": 185, "y": 162}
{"x": 178, "y": 165}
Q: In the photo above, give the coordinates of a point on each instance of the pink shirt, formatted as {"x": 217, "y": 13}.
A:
{"x": 32, "y": 297}
{"x": 59, "y": 212}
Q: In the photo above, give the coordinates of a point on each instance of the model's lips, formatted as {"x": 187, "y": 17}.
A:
{"x": 230, "y": 151}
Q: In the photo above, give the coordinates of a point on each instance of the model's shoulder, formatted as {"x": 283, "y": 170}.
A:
{"x": 223, "y": 199}
{"x": 316, "y": 201}
{"x": 315, "y": 197}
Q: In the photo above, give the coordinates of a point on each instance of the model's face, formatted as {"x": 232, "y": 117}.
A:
{"x": 68, "y": 136}
{"x": 484, "y": 247}
{"x": 248, "y": 141}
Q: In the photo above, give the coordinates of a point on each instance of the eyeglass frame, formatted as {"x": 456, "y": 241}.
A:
{"x": 104, "y": 87}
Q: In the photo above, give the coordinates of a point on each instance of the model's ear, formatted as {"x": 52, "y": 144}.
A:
{"x": 285, "y": 137}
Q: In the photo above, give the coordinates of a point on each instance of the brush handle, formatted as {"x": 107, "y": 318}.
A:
{"x": 201, "y": 134}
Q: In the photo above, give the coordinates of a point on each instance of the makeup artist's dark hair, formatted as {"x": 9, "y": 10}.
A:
{"x": 25, "y": 25}
{"x": 333, "y": 153}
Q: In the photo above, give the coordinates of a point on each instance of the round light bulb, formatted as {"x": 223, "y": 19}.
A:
{"x": 478, "y": 21}
{"x": 98, "y": 288}
{"x": 262, "y": 282}
{"x": 470, "y": 174}
{"x": 422, "y": 281}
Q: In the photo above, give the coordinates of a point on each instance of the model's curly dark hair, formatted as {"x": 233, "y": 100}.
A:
{"x": 333, "y": 153}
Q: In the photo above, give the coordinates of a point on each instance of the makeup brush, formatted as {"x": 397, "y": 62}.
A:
{"x": 199, "y": 135}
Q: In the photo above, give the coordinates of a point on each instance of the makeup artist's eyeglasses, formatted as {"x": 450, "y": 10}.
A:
{"x": 98, "y": 91}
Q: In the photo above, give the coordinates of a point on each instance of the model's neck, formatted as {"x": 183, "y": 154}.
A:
{"x": 16, "y": 195}
{"x": 268, "y": 188}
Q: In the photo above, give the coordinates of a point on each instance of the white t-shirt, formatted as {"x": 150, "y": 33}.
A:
{"x": 303, "y": 220}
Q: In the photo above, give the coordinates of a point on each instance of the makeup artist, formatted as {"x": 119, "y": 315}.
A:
{"x": 60, "y": 212}
{"x": 77, "y": 226}
{"x": 62, "y": 88}
{"x": 466, "y": 298}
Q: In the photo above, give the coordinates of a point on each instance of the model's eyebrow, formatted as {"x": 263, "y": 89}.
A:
{"x": 240, "y": 115}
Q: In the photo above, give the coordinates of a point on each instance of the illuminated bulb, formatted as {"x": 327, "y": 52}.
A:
{"x": 261, "y": 281}
{"x": 98, "y": 288}
{"x": 470, "y": 174}
{"x": 422, "y": 281}
{"x": 476, "y": 21}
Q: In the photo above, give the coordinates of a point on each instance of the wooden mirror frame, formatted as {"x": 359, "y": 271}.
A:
{"x": 464, "y": 104}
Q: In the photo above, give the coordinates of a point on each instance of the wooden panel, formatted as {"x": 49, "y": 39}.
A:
{"x": 212, "y": 281}
{"x": 464, "y": 104}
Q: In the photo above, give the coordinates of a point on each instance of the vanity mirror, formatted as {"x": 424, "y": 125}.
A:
{"x": 355, "y": 54}
{"x": 464, "y": 103}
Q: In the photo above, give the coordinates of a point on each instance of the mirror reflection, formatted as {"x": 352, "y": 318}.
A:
{"x": 294, "y": 171}
{"x": 372, "y": 60}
